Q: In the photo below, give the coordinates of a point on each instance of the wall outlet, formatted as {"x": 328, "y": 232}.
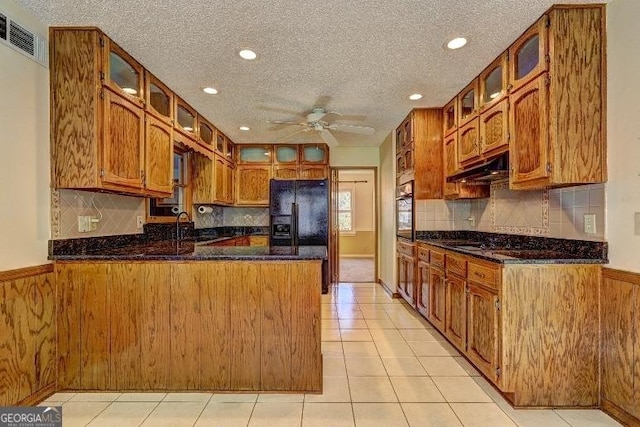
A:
{"x": 93, "y": 223}
{"x": 590, "y": 223}
{"x": 84, "y": 223}
{"x": 139, "y": 222}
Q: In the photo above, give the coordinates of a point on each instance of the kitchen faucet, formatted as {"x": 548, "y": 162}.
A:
{"x": 179, "y": 235}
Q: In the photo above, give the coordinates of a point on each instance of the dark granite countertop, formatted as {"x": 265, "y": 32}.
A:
{"x": 201, "y": 251}
{"x": 157, "y": 243}
{"x": 515, "y": 249}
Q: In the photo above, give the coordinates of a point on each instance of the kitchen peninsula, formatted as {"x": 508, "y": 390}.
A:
{"x": 189, "y": 316}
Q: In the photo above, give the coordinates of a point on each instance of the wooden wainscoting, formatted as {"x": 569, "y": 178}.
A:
{"x": 620, "y": 346}
{"x": 27, "y": 335}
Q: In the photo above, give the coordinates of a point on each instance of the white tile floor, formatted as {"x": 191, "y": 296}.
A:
{"x": 383, "y": 366}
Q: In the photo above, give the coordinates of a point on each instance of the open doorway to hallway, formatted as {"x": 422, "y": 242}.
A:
{"x": 357, "y": 232}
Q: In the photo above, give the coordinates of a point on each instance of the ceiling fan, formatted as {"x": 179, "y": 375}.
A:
{"x": 316, "y": 123}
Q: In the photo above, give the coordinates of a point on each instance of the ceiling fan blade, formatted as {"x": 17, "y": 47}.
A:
{"x": 316, "y": 115}
{"x": 294, "y": 133}
{"x": 364, "y": 130}
{"x": 328, "y": 138}
{"x": 280, "y": 122}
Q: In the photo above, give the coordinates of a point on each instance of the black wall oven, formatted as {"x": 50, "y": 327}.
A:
{"x": 405, "y": 211}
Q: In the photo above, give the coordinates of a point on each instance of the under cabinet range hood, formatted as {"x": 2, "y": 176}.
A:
{"x": 491, "y": 170}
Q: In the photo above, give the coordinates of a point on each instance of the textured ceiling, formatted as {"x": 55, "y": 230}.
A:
{"x": 360, "y": 58}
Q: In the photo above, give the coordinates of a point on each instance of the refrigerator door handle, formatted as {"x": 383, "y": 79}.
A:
{"x": 294, "y": 224}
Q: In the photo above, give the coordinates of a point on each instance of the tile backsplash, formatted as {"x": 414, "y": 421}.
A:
{"x": 232, "y": 217}
{"x": 117, "y": 213}
{"x": 557, "y": 213}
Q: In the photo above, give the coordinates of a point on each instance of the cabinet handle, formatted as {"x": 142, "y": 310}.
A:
{"x": 478, "y": 274}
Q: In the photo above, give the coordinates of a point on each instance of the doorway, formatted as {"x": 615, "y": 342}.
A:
{"x": 356, "y": 225}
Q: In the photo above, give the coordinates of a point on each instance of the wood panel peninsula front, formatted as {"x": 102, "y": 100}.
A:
{"x": 214, "y": 319}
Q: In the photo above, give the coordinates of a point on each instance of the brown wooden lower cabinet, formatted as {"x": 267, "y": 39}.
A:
{"x": 620, "y": 311}
{"x": 437, "y": 298}
{"x": 531, "y": 329}
{"x": 27, "y": 335}
{"x": 228, "y": 326}
{"x": 456, "y": 311}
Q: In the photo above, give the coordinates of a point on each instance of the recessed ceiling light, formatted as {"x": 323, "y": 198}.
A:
{"x": 188, "y": 128}
{"x": 247, "y": 54}
{"x": 244, "y": 128}
{"x": 210, "y": 90}
{"x": 130, "y": 90}
{"x": 494, "y": 95}
{"x": 415, "y": 96}
{"x": 457, "y": 43}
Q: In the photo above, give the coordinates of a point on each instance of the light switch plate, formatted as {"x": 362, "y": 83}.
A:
{"x": 590, "y": 223}
{"x": 637, "y": 223}
{"x": 139, "y": 222}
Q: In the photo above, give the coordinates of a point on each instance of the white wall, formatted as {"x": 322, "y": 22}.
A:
{"x": 354, "y": 156}
{"x": 24, "y": 144}
{"x": 386, "y": 230}
{"x": 623, "y": 133}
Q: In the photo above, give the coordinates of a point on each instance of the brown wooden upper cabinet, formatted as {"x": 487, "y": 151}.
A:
{"x": 185, "y": 122}
{"x": 286, "y": 162}
{"x": 451, "y": 116}
{"x": 159, "y": 99}
{"x": 122, "y": 74}
{"x": 528, "y": 56}
{"x": 494, "y": 105}
{"x": 468, "y": 125}
{"x": 99, "y": 140}
{"x": 557, "y": 118}
{"x": 206, "y": 133}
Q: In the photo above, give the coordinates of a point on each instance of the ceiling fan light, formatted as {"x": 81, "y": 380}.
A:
{"x": 415, "y": 96}
{"x": 457, "y": 43}
{"x": 210, "y": 90}
{"x": 247, "y": 54}
{"x": 245, "y": 128}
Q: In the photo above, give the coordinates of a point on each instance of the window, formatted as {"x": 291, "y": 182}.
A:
{"x": 345, "y": 211}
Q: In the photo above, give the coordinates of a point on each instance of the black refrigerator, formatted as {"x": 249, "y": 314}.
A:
{"x": 299, "y": 215}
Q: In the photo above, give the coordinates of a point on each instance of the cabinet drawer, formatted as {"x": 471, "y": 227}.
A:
{"x": 456, "y": 264}
{"x": 406, "y": 249}
{"x": 436, "y": 258}
{"x": 423, "y": 254}
{"x": 483, "y": 275}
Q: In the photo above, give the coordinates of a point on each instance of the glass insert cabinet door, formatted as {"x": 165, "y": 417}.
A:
{"x": 254, "y": 154}
{"x": 287, "y": 154}
{"x": 450, "y": 117}
{"x": 527, "y": 55}
{"x": 185, "y": 118}
{"x": 468, "y": 103}
{"x": 314, "y": 154}
{"x": 123, "y": 74}
{"x": 206, "y": 133}
{"x": 159, "y": 98}
{"x": 492, "y": 85}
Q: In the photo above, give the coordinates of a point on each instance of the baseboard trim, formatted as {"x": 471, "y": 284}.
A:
{"x": 38, "y": 396}
{"x": 21, "y": 273}
{"x": 388, "y": 290}
{"x": 619, "y": 414}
